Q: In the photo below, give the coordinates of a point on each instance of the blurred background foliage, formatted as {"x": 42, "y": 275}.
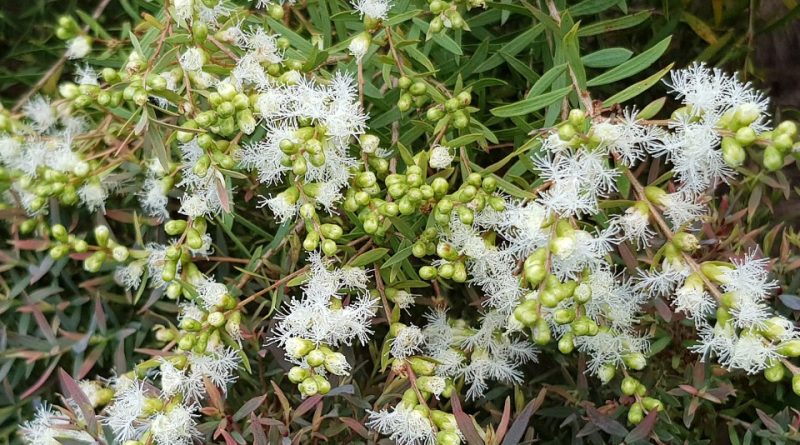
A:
{"x": 92, "y": 335}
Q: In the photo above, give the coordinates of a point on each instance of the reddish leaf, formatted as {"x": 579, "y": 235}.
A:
{"x": 248, "y": 407}
{"x": 465, "y": 424}
{"x": 306, "y": 406}
{"x": 259, "y": 438}
{"x": 71, "y": 389}
{"x": 356, "y": 426}
{"x": 287, "y": 408}
{"x": 643, "y": 430}
{"x": 504, "y": 421}
{"x": 605, "y": 423}
{"x": 520, "y": 424}
{"x": 39, "y": 382}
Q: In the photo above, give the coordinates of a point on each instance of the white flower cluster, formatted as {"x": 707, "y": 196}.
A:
{"x": 335, "y": 117}
{"x": 48, "y": 426}
{"x": 46, "y": 146}
{"x": 320, "y": 317}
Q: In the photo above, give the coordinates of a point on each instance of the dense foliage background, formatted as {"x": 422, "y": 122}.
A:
{"x": 55, "y": 315}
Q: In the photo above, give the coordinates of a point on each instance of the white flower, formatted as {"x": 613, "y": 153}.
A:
{"x": 93, "y": 196}
{"x": 404, "y": 425}
{"x": 125, "y": 413}
{"x": 211, "y": 15}
{"x": 712, "y": 93}
{"x": 633, "y": 226}
{"x": 129, "y": 276}
{"x": 175, "y": 427}
{"x": 627, "y": 139}
{"x": 359, "y": 46}
{"x": 749, "y": 284}
{"x": 500, "y": 361}
{"x": 152, "y": 197}
{"x": 681, "y": 208}
{"x": 694, "y": 301}
{"x": 262, "y": 47}
{"x": 86, "y": 75}
{"x": 407, "y": 342}
{"x": 578, "y": 179}
{"x": 280, "y": 206}
{"x": 48, "y": 426}
{"x": 41, "y": 114}
{"x": 79, "y": 47}
{"x": 748, "y": 352}
{"x": 608, "y": 347}
{"x": 375, "y": 9}
{"x": 211, "y": 293}
{"x": 440, "y": 157}
{"x": 184, "y": 10}
{"x": 192, "y": 59}
{"x": 194, "y": 206}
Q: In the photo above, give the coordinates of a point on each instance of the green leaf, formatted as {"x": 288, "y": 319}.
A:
{"x": 398, "y": 257}
{"x": 637, "y": 88}
{"x": 546, "y": 80}
{"x": 448, "y": 44}
{"x": 602, "y": 27}
{"x": 649, "y": 111}
{"x": 369, "y": 257}
{"x": 527, "y": 106}
{"x": 295, "y": 39}
{"x": 588, "y": 7}
{"x": 606, "y": 58}
{"x": 512, "y": 48}
{"x": 632, "y": 66}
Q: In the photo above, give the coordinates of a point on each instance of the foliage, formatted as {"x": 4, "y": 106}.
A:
{"x": 418, "y": 221}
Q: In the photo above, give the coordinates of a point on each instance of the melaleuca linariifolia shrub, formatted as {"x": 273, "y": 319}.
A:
{"x": 407, "y": 235}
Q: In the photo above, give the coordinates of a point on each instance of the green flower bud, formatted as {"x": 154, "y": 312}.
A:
{"x": 773, "y": 158}
{"x": 796, "y": 384}
{"x": 59, "y": 251}
{"x": 564, "y": 316}
{"x": 329, "y": 247}
{"x": 186, "y": 342}
{"x": 59, "y": 232}
{"x": 527, "y": 312}
{"x": 404, "y": 103}
{"x": 332, "y": 231}
{"x": 216, "y": 319}
{"x": 308, "y": 387}
{"x": 744, "y": 136}
{"x": 541, "y": 333}
{"x": 120, "y": 253}
{"x": 732, "y": 152}
{"x": 629, "y": 386}
{"x": 101, "y": 234}
{"x": 775, "y": 372}
{"x": 80, "y": 246}
{"x": 298, "y": 374}
{"x": 635, "y": 361}
{"x": 427, "y": 273}
{"x": 606, "y": 373}
{"x": 460, "y": 119}
{"x": 790, "y": 348}
{"x": 421, "y": 366}
{"x": 635, "y": 414}
{"x": 94, "y": 262}
{"x": 315, "y": 358}
{"x": 323, "y": 385}
{"x": 447, "y": 437}
{"x": 175, "y": 227}
{"x": 685, "y": 242}
{"x": 567, "y": 343}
